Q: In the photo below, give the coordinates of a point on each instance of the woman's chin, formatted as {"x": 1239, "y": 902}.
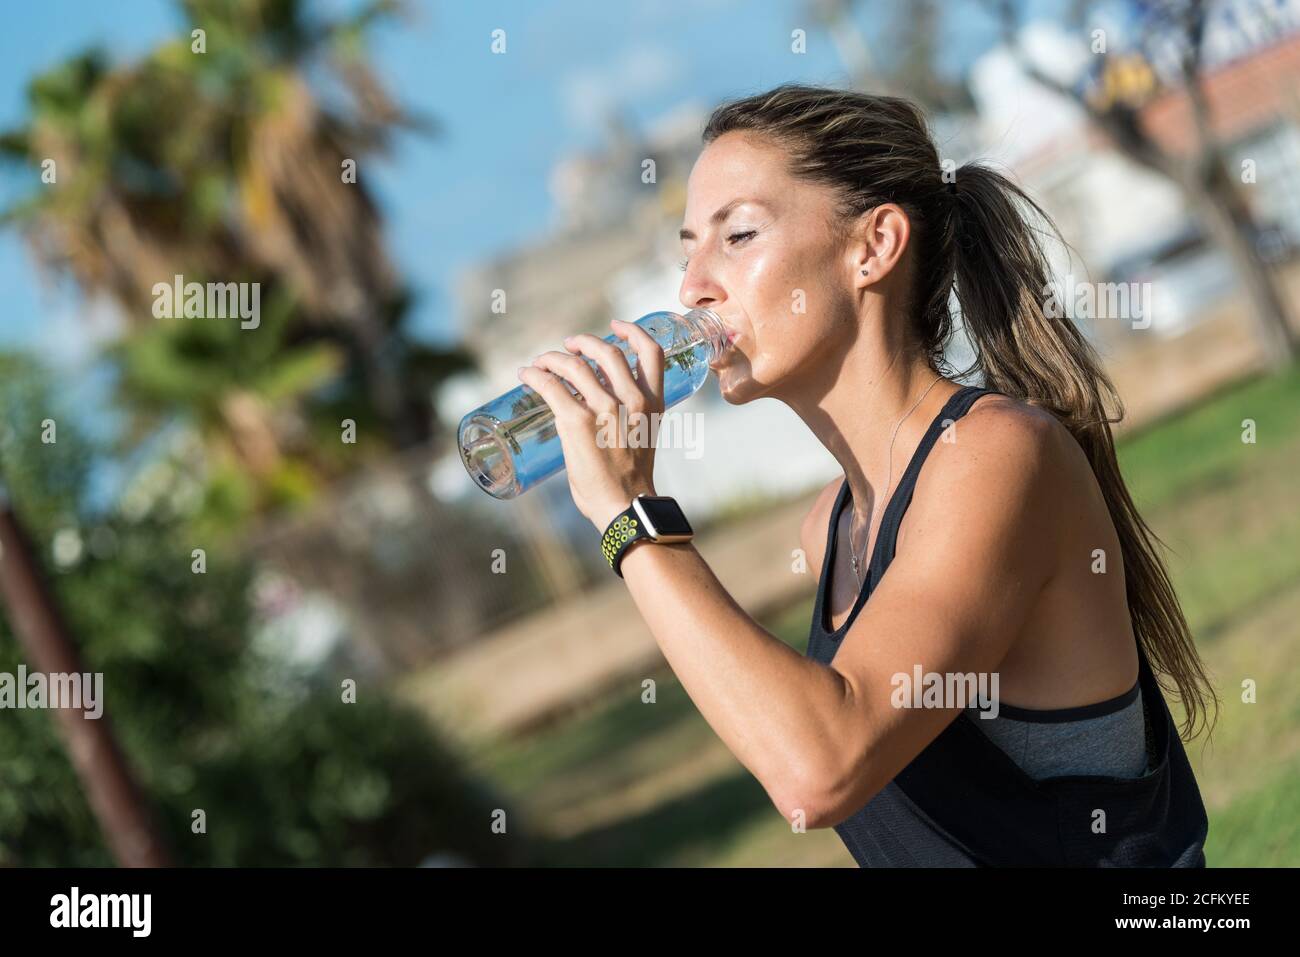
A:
{"x": 735, "y": 385}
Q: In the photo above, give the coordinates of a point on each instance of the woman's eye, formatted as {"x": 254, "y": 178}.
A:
{"x": 733, "y": 238}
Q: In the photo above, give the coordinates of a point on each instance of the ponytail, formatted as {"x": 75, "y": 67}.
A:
{"x": 1001, "y": 277}
{"x": 972, "y": 236}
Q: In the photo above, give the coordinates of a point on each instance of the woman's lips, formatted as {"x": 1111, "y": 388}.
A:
{"x": 731, "y": 336}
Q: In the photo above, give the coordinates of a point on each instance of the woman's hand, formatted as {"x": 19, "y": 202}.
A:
{"x": 608, "y": 436}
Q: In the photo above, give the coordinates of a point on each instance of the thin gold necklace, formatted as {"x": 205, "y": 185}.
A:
{"x": 889, "y": 478}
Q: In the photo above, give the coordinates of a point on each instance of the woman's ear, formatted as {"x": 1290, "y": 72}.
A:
{"x": 883, "y": 232}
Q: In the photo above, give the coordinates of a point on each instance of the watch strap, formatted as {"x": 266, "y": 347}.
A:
{"x": 621, "y": 534}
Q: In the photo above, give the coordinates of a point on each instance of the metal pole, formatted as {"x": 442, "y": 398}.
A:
{"x": 114, "y": 798}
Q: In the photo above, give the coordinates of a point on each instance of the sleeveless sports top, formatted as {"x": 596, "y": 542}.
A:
{"x": 965, "y": 801}
{"x": 1109, "y": 737}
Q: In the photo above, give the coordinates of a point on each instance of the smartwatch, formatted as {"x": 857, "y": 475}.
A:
{"x": 650, "y": 518}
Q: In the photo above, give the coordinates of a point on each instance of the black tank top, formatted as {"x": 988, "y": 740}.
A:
{"x": 963, "y": 802}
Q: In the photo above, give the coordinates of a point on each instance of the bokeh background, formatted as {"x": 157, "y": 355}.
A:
{"x": 430, "y": 194}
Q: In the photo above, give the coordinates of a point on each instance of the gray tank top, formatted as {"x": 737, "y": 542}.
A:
{"x": 1109, "y": 737}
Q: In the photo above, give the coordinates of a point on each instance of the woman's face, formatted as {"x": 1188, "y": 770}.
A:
{"x": 769, "y": 265}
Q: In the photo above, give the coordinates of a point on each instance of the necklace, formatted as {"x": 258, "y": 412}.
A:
{"x": 889, "y": 477}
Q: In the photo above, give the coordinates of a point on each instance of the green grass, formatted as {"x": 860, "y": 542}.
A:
{"x": 1201, "y": 448}
{"x": 618, "y": 745}
{"x": 1260, "y": 829}
{"x": 1227, "y": 509}
{"x": 632, "y": 783}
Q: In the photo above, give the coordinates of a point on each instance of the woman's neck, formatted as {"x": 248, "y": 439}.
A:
{"x": 853, "y": 410}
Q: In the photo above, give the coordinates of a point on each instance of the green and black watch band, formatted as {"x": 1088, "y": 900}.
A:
{"x": 650, "y": 518}
{"x": 625, "y": 531}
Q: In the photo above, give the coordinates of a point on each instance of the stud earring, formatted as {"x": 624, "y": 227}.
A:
{"x": 864, "y": 272}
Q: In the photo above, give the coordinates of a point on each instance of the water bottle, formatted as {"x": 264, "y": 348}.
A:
{"x": 510, "y": 444}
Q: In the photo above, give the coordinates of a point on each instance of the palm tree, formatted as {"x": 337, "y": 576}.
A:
{"x": 226, "y": 165}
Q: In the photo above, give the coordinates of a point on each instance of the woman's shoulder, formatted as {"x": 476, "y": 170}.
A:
{"x": 1001, "y": 431}
{"x": 1003, "y": 449}
{"x": 993, "y": 497}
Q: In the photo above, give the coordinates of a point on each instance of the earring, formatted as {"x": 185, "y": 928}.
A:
{"x": 864, "y": 272}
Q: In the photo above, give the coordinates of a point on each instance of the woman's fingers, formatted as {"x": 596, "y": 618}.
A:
{"x": 649, "y": 360}
{"x": 614, "y": 364}
{"x": 563, "y": 403}
{"x": 582, "y": 376}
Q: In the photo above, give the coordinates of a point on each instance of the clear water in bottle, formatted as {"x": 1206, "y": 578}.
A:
{"x": 510, "y": 444}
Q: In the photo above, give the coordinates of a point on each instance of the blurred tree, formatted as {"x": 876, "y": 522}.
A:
{"x": 910, "y": 65}
{"x": 850, "y": 41}
{"x": 226, "y": 164}
{"x": 1121, "y": 83}
{"x": 915, "y": 59}
{"x": 285, "y": 772}
{"x": 1113, "y": 97}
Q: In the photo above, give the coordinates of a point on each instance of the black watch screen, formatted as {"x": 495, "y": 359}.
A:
{"x": 665, "y": 515}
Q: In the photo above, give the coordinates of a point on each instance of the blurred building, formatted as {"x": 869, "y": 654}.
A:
{"x": 1127, "y": 222}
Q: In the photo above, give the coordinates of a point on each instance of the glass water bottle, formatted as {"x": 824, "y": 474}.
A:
{"x": 510, "y": 444}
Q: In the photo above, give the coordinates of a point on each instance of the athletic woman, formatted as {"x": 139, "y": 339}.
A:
{"x": 978, "y": 534}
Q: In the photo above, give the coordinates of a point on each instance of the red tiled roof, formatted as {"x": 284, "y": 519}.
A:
{"x": 1242, "y": 95}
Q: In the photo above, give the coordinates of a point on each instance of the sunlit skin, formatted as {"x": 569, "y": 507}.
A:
{"x": 995, "y": 558}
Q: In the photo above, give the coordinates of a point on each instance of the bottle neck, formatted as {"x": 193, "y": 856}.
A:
{"x": 705, "y": 324}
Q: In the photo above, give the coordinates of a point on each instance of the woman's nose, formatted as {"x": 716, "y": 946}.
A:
{"x": 699, "y": 290}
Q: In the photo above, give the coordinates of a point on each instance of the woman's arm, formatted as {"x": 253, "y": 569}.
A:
{"x": 823, "y": 740}
{"x": 769, "y": 704}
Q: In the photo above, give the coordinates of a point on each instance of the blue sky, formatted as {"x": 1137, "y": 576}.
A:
{"x": 482, "y": 186}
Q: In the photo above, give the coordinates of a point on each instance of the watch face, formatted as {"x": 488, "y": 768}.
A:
{"x": 664, "y": 515}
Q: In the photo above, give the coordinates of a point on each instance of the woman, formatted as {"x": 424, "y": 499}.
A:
{"x": 821, "y": 229}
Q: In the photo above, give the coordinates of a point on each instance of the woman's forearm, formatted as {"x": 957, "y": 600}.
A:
{"x": 772, "y": 707}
